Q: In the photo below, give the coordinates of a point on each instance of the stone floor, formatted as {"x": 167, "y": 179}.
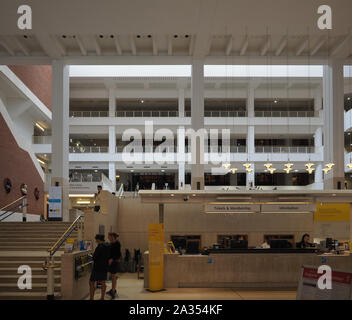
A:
{"x": 130, "y": 288}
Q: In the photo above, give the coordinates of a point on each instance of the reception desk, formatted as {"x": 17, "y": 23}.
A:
{"x": 242, "y": 270}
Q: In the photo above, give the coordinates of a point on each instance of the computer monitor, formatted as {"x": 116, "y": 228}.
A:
{"x": 239, "y": 244}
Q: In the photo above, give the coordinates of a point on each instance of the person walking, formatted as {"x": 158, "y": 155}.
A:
{"x": 100, "y": 266}
{"x": 115, "y": 256}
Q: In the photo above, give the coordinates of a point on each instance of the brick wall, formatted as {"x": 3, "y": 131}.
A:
{"x": 38, "y": 79}
{"x": 16, "y": 164}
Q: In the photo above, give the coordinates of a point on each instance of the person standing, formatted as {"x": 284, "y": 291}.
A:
{"x": 97, "y": 199}
{"x": 115, "y": 256}
{"x": 100, "y": 266}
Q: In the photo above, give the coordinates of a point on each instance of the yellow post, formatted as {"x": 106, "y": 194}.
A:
{"x": 156, "y": 256}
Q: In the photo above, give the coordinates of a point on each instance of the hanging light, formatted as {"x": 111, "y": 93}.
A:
{"x": 330, "y": 165}
{"x": 287, "y": 170}
{"x": 309, "y": 165}
{"x": 310, "y": 170}
{"x": 349, "y": 165}
{"x": 268, "y": 165}
{"x": 271, "y": 170}
{"x": 233, "y": 170}
{"x": 247, "y": 165}
{"x": 226, "y": 165}
{"x": 288, "y": 165}
{"x": 326, "y": 170}
{"x": 249, "y": 170}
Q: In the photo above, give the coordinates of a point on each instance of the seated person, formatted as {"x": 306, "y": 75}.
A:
{"x": 304, "y": 243}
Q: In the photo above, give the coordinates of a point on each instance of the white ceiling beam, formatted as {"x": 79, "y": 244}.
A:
{"x": 60, "y": 46}
{"x": 202, "y": 45}
{"x": 48, "y": 45}
{"x": 282, "y": 46}
{"x": 265, "y": 47}
{"x": 342, "y": 50}
{"x": 117, "y": 45}
{"x": 191, "y": 45}
{"x": 133, "y": 46}
{"x": 155, "y": 45}
{"x": 97, "y": 46}
{"x": 244, "y": 47}
{"x": 7, "y": 48}
{"x": 229, "y": 46}
{"x": 81, "y": 46}
{"x": 169, "y": 45}
{"x": 318, "y": 46}
{"x": 22, "y": 47}
{"x": 302, "y": 46}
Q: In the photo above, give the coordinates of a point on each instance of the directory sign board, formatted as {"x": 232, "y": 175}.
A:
{"x": 55, "y": 203}
{"x": 332, "y": 212}
{"x": 341, "y": 286}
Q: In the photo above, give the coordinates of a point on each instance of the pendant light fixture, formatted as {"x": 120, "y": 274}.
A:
{"x": 268, "y": 165}
{"x": 271, "y": 170}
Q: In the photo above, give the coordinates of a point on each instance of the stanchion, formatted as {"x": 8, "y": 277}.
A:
{"x": 49, "y": 267}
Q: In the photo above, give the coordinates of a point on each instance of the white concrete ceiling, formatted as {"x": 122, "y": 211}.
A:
{"x": 166, "y": 31}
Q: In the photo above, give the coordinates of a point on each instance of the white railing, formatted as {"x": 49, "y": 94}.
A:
{"x": 86, "y": 177}
{"x": 225, "y": 114}
{"x": 171, "y": 149}
{"x": 85, "y": 149}
{"x": 142, "y": 114}
{"x": 88, "y": 114}
{"x": 283, "y": 149}
{"x": 284, "y": 114}
{"x": 41, "y": 139}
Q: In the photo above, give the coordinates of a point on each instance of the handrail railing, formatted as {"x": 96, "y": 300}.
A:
{"x": 13, "y": 210}
{"x": 89, "y": 149}
{"x": 56, "y": 246}
{"x": 284, "y": 114}
{"x": 284, "y": 149}
{"x": 13, "y": 202}
{"x": 121, "y": 191}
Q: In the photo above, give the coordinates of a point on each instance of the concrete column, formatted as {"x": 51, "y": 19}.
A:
{"x": 60, "y": 131}
{"x": 112, "y": 174}
{"x": 318, "y": 101}
{"x": 333, "y": 92}
{"x": 181, "y": 157}
{"x": 318, "y": 177}
{"x": 181, "y": 176}
{"x": 181, "y": 102}
{"x": 112, "y": 102}
{"x": 250, "y": 141}
{"x": 318, "y": 140}
{"x": 250, "y": 102}
{"x": 197, "y": 113}
{"x": 250, "y": 178}
{"x": 112, "y": 139}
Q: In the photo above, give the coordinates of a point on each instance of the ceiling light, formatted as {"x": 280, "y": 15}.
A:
{"x": 296, "y": 170}
{"x": 95, "y": 170}
{"x": 289, "y": 165}
{"x": 310, "y": 170}
{"x": 287, "y": 170}
{"x": 326, "y": 170}
{"x": 171, "y": 194}
{"x": 226, "y": 165}
{"x": 249, "y": 170}
{"x": 247, "y": 165}
{"x": 272, "y": 170}
{"x": 268, "y": 165}
{"x": 275, "y": 101}
{"x": 233, "y": 170}
{"x": 39, "y": 126}
{"x": 349, "y": 98}
{"x": 132, "y": 170}
{"x": 309, "y": 165}
{"x": 349, "y": 165}
{"x": 142, "y": 101}
{"x": 81, "y": 195}
{"x": 162, "y": 170}
{"x": 330, "y": 165}
{"x": 117, "y": 176}
{"x": 83, "y": 202}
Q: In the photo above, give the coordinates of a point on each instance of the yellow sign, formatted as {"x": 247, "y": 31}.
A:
{"x": 156, "y": 256}
{"x": 333, "y": 212}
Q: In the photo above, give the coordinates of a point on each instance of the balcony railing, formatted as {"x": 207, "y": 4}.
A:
{"x": 86, "y": 177}
{"x": 233, "y": 149}
{"x": 225, "y": 114}
{"x": 88, "y": 114}
{"x": 85, "y": 149}
{"x": 284, "y": 149}
{"x": 146, "y": 114}
{"x": 284, "y": 114}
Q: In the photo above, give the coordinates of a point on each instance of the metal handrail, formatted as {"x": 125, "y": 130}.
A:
{"x": 12, "y": 203}
{"x": 18, "y": 207}
{"x": 56, "y": 246}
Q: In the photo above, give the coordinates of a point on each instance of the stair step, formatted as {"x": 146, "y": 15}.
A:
{"x": 26, "y": 295}
{"x": 11, "y": 270}
{"x": 36, "y": 287}
{"x": 36, "y": 279}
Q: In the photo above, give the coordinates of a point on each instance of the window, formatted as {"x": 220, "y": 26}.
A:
{"x": 225, "y": 240}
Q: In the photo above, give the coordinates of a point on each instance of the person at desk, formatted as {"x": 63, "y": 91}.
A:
{"x": 304, "y": 243}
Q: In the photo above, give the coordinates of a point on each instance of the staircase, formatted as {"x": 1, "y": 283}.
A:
{"x": 26, "y": 243}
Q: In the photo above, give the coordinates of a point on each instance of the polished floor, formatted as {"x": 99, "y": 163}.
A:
{"x": 130, "y": 288}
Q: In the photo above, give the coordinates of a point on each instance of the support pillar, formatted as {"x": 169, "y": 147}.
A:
{"x": 112, "y": 174}
{"x": 112, "y": 102}
{"x": 333, "y": 92}
{"x": 181, "y": 102}
{"x": 250, "y": 102}
{"x": 161, "y": 213}
{"x": 60, "y": 131}
{"x": 197, "y": 120}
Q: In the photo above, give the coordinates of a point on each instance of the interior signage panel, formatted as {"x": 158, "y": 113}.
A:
{"x": 156, "y": 256}
{"x": 231, "y": 208}
{"x": 333, "y": 212}
{"x": 55, "y": 203}
{"x": 288, "y": 208}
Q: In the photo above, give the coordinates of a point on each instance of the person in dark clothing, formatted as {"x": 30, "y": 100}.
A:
{"x": 100, "y": 266}
{"x": 304, "y": 242}
{"x": 115, "y": 256}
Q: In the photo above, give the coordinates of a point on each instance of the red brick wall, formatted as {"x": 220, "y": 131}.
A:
{"x": 38, "y": 79}
{"x": 16, "y": 164}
